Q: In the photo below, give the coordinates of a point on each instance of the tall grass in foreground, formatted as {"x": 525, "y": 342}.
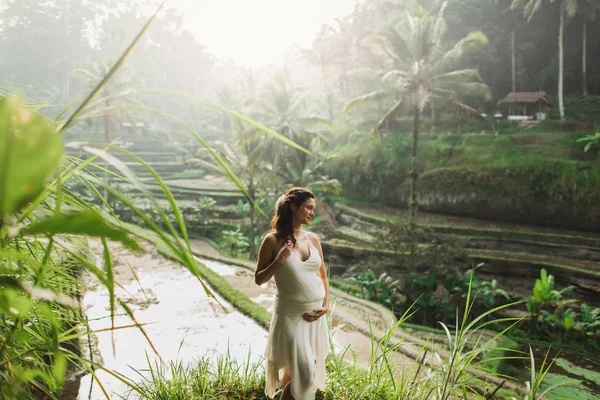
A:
{"x": 430, "y": 377}
{"x": 44, "y": 229}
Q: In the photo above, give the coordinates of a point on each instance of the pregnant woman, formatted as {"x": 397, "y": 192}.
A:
{"x": 297, "y": 344}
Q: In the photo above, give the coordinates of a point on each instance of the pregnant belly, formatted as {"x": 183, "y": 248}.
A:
{"x": 307, "y": 289}
{"x": 315, "y": 290}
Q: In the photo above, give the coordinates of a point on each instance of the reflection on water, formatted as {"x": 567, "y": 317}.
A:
{"x": 184, "y": 325}
{"x": 218, "y": 267}
{"x": 571, "y": 376}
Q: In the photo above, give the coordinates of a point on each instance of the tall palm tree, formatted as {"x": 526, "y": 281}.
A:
{"x": 567, "y": 8}
{"x": 351, "y": 31}
{"x": 589, "y": 9}
{"x": 418, "y": 71}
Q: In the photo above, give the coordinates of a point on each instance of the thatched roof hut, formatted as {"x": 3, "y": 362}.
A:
{"x": 527, "y": 105}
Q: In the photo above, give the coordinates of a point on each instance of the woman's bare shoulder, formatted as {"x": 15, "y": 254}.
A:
{"x": 271, "y": 239}
{"x": 314, "y": 238}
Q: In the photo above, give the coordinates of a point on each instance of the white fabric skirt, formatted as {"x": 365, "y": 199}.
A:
{"x": 297, "y": 347}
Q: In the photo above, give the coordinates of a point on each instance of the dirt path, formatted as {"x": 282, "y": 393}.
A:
{"x": 204, "y": 247}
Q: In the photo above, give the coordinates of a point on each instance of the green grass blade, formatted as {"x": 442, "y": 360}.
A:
{"x": 88, "y": 222}
{"x": 67, "y": 174}
{"x": 215, "y": 156}
{"x": 112, "y": 71}
{"x": 63, "y": 111}
{"x": 168, "y": 194}
{"x": 110, "y": 286}
{"x": 139, "y": 185}
{"x": 211, "y": 104}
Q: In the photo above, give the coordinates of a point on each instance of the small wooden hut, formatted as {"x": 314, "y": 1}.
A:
{"x": 526, "y": 105}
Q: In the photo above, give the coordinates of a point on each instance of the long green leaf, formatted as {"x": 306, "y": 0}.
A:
{"x": 88, "y": 222}
{"x": 27, "y": 140}
{"x": 211, "y": 104}
{"x": 112, "y": 71}
{"x": 215, "y": 156}
{"x": 110, "y": 286}
{"x": 137, "y": 183}
{"x": 168, "y": 194}
{"x": 66, "y": 175}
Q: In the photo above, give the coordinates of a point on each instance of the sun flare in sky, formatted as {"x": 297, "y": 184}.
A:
{"x": 257, "y": 32}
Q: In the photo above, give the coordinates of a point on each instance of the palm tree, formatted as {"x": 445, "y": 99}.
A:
{"x": 568, "y": 6}
{"x": 323, "y": 53}
{"x": 419, "y": 71}
{"x": 287, "y": 109}
{"x": 589, "y": 9}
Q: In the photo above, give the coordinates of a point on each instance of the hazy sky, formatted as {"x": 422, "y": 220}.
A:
{"x": 256, "y": 32}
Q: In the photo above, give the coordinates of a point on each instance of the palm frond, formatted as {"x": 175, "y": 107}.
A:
{"x": 395, "y": 44}
{"x": 388, "y": 115}
{"x": 461, "y": 90}
{"x": 438, "y": 30}
{"x": 369, "y": 98}
{"x": 315, "y": 122}
{"x": 82, "y": 74}
{"x": 394, "y": 75}
{"x": 571, "y": 7}
{"x": 472, "y": 41}
{"x": 532, "y": 8}
{"x": 365, "y": 74}
{"x": 462, "y": 75}
{"x": 516, "y": 4}
{"x": 466, "y": 109}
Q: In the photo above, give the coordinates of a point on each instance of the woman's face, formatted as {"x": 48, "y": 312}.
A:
{"x": 306, "y": 212}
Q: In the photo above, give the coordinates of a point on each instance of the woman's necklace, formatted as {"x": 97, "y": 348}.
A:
{"x": 297, "y": 232}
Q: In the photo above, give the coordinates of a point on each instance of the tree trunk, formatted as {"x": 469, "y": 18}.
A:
{"x": 514, "y": 61}
{"x": 434, "y": 117}
{"x": 328, "y": 95}
{"x": 584, "y": 61}
{"x": 413, "y": 173}
{"x": 561, "y": 33}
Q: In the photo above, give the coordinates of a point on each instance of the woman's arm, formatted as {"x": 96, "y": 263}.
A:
{"x": 267, "y": 265}
{"x": 322, "y": 271}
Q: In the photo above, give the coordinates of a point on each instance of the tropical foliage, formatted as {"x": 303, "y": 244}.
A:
{"x": 419, "y": 71}
{"x": 398, "y": 66}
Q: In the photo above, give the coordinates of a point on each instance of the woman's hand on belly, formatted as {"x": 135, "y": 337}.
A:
{"x": 315, "y": 315}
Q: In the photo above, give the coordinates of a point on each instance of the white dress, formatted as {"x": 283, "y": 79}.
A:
{"x": 296, "y": 346}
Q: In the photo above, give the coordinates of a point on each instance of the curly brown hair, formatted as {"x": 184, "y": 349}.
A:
{"x": 282, "y": 223}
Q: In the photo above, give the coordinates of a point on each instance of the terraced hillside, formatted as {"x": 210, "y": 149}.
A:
{"x": 165, "y": 158}
{"x": 527, "y": 176}
{"x": 512, "y": 253}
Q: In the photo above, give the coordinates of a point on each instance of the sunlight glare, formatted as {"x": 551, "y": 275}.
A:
{"x": 257, "y": 32}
